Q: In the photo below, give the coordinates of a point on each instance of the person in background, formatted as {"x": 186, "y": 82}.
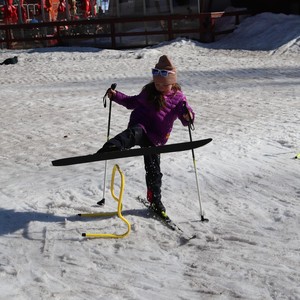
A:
{"x": 86, "y": 8}
{"x": 10, "y": 14}
{"x": 61, "y": 10}
{"x": 73, "y": 10}
{"x": 23, "y": 13}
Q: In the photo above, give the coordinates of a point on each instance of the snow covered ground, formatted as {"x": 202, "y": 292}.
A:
{"x": 245, "y": 90}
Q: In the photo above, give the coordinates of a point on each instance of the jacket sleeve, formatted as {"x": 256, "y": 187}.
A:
{"x": 130, "y": 102}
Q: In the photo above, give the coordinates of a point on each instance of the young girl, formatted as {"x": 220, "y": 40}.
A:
{"x": 155, "y": 109}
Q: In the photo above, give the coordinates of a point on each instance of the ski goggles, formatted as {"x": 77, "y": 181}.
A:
{"x": 163, "y": 73}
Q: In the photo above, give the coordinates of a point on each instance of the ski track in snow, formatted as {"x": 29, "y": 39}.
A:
{"x": 247, "y": 101}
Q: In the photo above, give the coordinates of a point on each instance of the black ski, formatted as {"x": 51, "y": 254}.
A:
{"x": 130, "y": 152}
{"x": 166, "y": 220}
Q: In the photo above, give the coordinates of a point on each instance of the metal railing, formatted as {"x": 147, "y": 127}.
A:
{"x": 116, "y": 33}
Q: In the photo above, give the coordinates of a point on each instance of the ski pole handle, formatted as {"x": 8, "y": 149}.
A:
{"x": 112, "y": 87}
{"x": 191, "y": 121}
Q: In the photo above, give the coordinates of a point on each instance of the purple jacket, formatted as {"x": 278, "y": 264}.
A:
{"x": 157, "y": 124}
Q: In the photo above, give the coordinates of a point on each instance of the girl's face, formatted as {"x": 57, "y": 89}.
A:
{"x": 163, "y": 88}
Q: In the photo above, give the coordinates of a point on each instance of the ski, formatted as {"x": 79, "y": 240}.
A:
{"x": 130, "y": 153}
{"x": 165, "y": 219}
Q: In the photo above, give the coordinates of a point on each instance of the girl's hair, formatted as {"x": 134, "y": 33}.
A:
{"x": 156, "y": 97}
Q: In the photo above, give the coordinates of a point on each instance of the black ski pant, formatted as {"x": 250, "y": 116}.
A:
{"x": 135, "y": 135}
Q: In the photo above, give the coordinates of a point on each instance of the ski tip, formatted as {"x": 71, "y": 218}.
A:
{"x": 206, "y": 141}
{"x": 54, "y": 163}
{"x": 83, "y": 234}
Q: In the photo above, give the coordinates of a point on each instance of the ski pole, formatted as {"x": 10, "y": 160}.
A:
{"x": 192, "y": 127}
{"x": 112, "y": 87}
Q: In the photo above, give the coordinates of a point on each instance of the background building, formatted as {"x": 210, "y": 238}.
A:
{"x": 152, "y": 7}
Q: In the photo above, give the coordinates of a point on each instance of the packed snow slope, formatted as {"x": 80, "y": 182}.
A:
{"x": 247, "y": 101}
